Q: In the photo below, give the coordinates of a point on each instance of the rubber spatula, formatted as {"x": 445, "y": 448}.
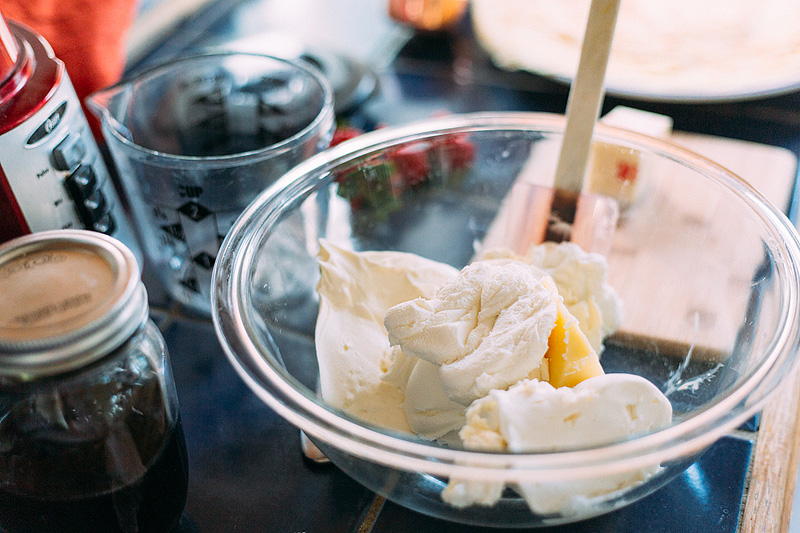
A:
{"x": 584, "y": 218}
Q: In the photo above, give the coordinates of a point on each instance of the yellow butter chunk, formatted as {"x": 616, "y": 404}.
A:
{"x": 571, "y": 359}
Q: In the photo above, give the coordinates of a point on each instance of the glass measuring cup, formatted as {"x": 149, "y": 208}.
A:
{"x": 195, "y": 140}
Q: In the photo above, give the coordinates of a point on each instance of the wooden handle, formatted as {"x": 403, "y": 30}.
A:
{"x": 586, "y": 95}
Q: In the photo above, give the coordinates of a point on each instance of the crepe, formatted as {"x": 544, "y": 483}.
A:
{"x": 675, "y": 50}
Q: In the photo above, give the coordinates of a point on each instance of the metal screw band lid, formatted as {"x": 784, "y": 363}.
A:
{"x": 67, "y": 298}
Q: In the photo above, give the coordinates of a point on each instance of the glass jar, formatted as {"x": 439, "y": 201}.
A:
{"x": 90, "y": 437}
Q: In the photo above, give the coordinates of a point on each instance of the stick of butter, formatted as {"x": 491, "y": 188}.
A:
{"x": 617, "y": 171}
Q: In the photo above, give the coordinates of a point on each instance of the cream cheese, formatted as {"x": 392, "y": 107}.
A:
{"x": 416, "y": 346}
{"x": 355, "y": 291}
{"x": 581, "y": 280}
{"x": 532, "y": 416}
{"x": 486, "y": 329}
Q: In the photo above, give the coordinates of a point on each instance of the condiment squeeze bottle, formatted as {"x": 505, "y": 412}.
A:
{"x": 575, "y": 216}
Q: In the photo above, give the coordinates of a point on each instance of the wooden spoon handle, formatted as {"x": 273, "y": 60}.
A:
{"x": 586, "y": 95}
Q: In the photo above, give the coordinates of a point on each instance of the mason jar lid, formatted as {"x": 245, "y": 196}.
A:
{"x": 67, "y": 298}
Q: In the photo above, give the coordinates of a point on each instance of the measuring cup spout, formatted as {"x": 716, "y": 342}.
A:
{"x": 109, "y": 106}
{"x": 98, "y": 102}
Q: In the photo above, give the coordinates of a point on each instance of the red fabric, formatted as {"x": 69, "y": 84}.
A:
{"x": 87, "y": 35}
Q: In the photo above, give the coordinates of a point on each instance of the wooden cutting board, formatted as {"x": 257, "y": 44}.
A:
{"x": 705, "y": 295}
{"x": 770, "y": 170}
{"x": 696, "y": 298}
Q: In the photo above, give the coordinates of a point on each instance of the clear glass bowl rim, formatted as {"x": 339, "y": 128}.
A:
{"x": 684, "y": 439}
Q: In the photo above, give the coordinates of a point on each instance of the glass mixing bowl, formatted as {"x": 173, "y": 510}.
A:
{"x": 706, "y": 268}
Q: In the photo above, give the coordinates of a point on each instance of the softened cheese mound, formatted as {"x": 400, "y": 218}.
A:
{"x": 353, "y": 352}
{"x": 430, "y": 413}
{"x": 533, "y": 416}
{"x": 580, "y": 277}
{"x": 486, "y": 329}
{"x": 581, "y": 280}
{"x": 492, "y": 356}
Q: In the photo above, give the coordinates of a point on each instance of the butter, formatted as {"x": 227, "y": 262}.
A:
{"x": 617, "y": 171}
{"x": 570, "y": 357}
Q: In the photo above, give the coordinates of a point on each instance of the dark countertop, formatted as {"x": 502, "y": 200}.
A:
{"x": 247, "y": 472}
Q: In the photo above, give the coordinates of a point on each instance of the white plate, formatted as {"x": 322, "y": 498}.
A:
{"x": 665, "y": 50}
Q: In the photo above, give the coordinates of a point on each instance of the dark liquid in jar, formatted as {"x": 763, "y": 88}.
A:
{"x": 127, "y": 475}
{"x": 153, "y": 504}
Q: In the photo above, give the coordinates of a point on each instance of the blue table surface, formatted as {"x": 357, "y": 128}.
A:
{"x": 247, "y": 472}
